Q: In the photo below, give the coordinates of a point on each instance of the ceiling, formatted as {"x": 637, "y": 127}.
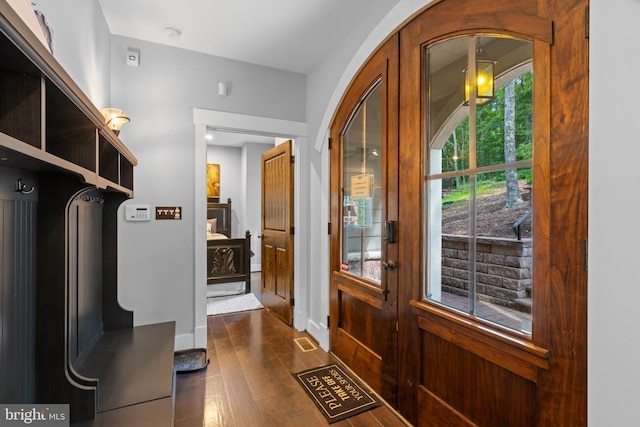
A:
{"x": 292, "y": 35}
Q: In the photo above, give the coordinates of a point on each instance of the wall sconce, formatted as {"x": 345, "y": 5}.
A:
{"x": 114, "y": 119}
{"x": 484, "y": 82}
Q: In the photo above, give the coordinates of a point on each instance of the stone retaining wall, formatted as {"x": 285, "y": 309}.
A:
{"x": 503, "y": 268}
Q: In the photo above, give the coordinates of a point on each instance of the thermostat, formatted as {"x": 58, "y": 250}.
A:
{"x": 137, "y": 213}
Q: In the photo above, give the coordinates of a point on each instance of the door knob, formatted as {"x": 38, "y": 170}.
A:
{"x": 389, "y": 265}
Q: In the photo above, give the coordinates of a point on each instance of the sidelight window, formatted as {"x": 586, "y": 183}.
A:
{"x": 478, "y": 178}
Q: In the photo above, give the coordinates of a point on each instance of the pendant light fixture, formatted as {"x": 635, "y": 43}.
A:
{"x": 484, "y": 79}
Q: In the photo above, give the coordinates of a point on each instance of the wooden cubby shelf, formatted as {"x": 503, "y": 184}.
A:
{"x": 41, "y": 107}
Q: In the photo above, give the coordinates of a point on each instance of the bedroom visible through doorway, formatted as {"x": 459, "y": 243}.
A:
{"x": 230, "y": 124}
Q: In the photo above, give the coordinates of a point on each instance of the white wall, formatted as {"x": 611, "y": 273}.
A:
{"x": 156, "y": 259}
{"x": 81, "y": 43}
{"x": 253, "y": 199}
{"x": 614, "y": 283}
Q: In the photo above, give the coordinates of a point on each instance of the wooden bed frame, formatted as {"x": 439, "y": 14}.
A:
{"x": 228, "y": 260}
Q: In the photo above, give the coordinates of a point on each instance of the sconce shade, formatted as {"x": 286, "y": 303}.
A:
{"x": 114, "y": 119}
{"x": 484, "y": 83}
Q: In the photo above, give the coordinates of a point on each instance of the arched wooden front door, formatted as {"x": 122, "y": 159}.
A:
{"x": 364, "y": 199}
{"x": 428, "y": 307}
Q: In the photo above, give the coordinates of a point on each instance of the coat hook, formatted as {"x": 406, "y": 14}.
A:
{"x": 22, "y": 188}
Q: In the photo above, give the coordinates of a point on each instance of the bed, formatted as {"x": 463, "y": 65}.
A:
{"x": 228, "y": 259}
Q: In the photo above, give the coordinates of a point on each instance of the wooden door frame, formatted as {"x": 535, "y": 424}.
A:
{"x": 241, "y": 123}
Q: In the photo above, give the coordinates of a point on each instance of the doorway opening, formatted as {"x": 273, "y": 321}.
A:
{"x": 228, "y": 124}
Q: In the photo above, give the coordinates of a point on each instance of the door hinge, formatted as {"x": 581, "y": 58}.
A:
{"x": 330, "y": 143}
{"x": 586, "y": 22}
{"x": 328, "y": 321}
{"x": 586, "y": 254}
{"x": 293, "y": 159}
{"x": 293, "y": 302}
{"x": 292, "y": 231}
{"x": 328, "y": 228}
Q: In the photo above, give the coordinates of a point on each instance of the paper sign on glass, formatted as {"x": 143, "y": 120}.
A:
{"x": 361, "y": 186}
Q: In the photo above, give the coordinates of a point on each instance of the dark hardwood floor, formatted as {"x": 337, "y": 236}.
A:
{"x": 249, "y": 379}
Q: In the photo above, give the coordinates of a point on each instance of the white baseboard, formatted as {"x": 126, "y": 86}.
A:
{"x": 320, "y": 332}
{"x": 198, "y": 339}
{"x": 183, "y": 342}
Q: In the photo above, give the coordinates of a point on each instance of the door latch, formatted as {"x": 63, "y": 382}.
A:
{"x": 389, "y": 265}
{"x": 390, "y": 231}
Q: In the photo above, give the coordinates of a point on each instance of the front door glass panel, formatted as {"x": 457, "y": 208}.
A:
{"x": 478, "y": 178}
{"x": 362, "y": 160}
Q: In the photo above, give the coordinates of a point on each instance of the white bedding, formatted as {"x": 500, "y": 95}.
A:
{"x": 216, "y": 236}
{"x": 225, "y": 289}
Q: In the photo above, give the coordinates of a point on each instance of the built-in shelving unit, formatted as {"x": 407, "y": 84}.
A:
{"x": 45, "y": 119}
{"x": 63, "y": 174}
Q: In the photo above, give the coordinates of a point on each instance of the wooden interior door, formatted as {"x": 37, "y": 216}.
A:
{"x": 277, "y": 231}
{"x": 364, "y": 209}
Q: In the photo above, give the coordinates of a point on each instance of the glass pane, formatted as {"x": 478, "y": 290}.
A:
{"x": 506, "y": 117}
{"x": 448, "y": 242}
{"x": 478, "y": 240}
{"x": 455, "y": 153}
{"x": 503, "y": 261}
{"x": 362, "y": 189}
{"x": 446, "y": 62}
{"x": 502, "y": 251}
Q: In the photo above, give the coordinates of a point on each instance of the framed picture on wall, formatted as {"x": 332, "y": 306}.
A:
{"x": 213, "y": 182}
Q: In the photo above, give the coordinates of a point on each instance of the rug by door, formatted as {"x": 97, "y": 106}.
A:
{"x": 337, "y": 394}
{"x": 232, "y": 304}
{"x": 191, "y": 360}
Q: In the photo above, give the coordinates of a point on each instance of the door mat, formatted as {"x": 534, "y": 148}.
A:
{"x": 191, "y": 360}
{"x": 337, "y": 394}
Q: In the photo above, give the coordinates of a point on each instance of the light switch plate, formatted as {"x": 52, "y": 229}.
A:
{"x": 168, "y": 212}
